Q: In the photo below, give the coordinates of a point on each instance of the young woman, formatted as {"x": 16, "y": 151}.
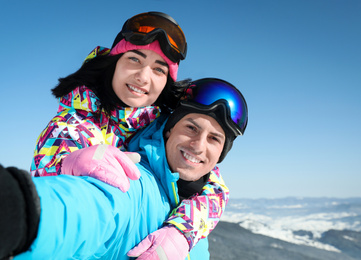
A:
{"x": 114, "y": 94}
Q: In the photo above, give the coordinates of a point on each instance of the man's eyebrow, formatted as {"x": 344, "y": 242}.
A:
{"x": 197, "y": 125}
{"x": 193, "y": 122}
{"x": 145, "y": 56}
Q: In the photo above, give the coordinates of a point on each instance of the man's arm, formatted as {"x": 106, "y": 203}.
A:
{"x": 78, "y": 219}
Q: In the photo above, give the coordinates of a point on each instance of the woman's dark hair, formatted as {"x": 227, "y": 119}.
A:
{"x": 97, "y": 75}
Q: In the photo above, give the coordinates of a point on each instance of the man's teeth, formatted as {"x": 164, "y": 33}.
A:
{"x": 190, "y": 158}
{"x": 136, "y": 89}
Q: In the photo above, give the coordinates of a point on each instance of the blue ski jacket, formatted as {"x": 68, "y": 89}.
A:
{"x": 83, "y": 218}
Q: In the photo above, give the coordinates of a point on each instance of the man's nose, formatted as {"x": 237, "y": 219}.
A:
{"x": 198, "y": 143}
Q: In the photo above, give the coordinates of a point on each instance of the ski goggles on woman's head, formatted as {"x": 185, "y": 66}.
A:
{"x": 212, "y": 92}
{"x": 145, "y": 28}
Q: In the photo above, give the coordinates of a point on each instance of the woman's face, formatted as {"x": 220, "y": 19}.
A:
{"x": 139, "y": 77}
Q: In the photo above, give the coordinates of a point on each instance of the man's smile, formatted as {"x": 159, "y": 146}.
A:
{"x": 190, "y": 157}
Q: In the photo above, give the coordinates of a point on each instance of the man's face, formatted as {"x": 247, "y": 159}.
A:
{"x": 194, "y": 145}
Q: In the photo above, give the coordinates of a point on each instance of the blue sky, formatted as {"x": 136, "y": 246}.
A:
{"x": 298, "y": 64}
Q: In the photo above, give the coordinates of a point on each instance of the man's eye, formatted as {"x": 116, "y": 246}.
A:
{"x": 214, "y": 138}
{"x": 191, "y": 127}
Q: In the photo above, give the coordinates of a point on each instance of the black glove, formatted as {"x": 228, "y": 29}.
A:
{"x": 19, "y": 211}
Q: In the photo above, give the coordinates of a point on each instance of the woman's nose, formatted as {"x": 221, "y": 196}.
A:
{"x": 143, "y": 75}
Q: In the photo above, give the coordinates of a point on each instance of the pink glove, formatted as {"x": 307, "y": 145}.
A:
{"x": 165, "y": 243}
{"x": 105, "y": 163}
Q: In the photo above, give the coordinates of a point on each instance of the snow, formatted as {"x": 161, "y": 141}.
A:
{"x": 282, "y": 218}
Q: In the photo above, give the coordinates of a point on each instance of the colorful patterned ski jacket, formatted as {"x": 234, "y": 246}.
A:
{"x": 81, "y": 123}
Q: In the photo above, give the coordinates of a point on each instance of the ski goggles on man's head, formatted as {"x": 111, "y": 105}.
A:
{"x": 212, "y": 93}
{"x": 145, "y": 28}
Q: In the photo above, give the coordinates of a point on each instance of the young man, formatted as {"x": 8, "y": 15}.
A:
{"x": 84, "y": 218}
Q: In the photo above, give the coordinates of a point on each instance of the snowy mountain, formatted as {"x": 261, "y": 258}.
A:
{"x": 318, "y": 225}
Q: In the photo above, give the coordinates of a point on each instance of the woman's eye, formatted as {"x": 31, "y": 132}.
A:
{"x": 160, "y": 70}
{"x": 134, "y": 59}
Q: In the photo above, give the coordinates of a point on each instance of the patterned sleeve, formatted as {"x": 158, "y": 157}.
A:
{"x": 199, "y": 215}
{"x": 58, "y": 139}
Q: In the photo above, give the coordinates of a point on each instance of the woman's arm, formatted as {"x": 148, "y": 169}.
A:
{"x": 63, "y": 135}
{"x": 198, "y": 216}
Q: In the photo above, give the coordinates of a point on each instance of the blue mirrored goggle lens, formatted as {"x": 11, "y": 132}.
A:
{"x": 208, "y": 91}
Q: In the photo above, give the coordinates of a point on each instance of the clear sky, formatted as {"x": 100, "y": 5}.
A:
{"x": 298, "y": 64}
